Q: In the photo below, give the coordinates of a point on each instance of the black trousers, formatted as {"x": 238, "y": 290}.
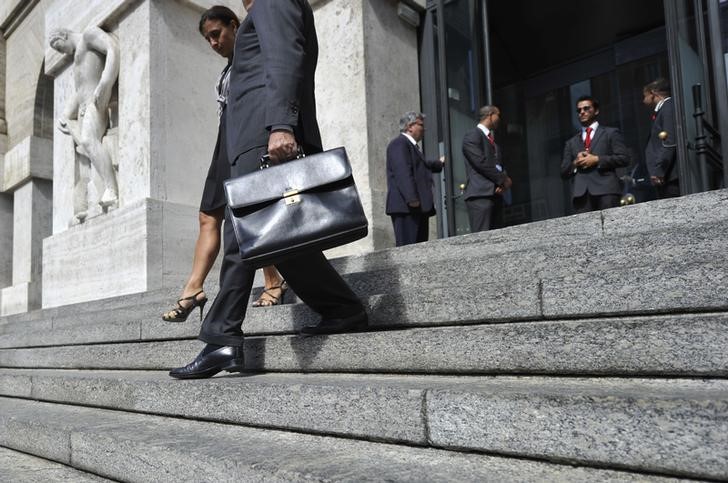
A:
{"x": 410, "y": 228}
{"x": 311, "y": 276}
{"x": 589, "y": 202}
{"x": 484, "y": 212}
{"x": 671, "y": 189}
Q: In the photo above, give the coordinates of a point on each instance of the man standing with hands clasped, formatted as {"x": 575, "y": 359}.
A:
{"x": 487, "y": 178}
{"x": 271, "y": 108}
{"x": 591, "y": 158}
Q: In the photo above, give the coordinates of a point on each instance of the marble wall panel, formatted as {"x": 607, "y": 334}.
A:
{"x": 63, "y": 157}
{"x": 340, "y": 94}
{"x": 24, "y": 52}
{"x": 183, "y": 118}
{"x": 31, "y": 223}
{"x": 392, "y": 88}
{"x": 134, "y": 105}
{"x": 3, "y": 68}
{"x": 6, "y": 239}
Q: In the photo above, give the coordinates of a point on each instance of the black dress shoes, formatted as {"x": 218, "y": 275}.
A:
{"x": 336, "y": 326}
{"x": 209, "y": 363}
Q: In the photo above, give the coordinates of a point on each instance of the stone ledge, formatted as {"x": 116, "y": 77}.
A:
{"x": 657, "y": 346}
{"x": 152, "y": 448}
{"x": 17, "y": 467}
{"x": 30, "y": 158}
{"x": 20, "y": 298}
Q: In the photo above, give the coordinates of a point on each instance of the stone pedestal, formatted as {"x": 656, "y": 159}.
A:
{"x": 141, "y": 246}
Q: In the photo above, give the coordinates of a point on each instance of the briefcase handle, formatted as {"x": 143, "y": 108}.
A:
{"x": 265, "y": 159}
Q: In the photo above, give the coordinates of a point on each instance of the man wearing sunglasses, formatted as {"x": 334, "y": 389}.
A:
{"x": 591, "y": 158}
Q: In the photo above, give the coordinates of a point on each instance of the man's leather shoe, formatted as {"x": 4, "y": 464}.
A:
{"x": 226, "y": 358}
{"x": 335, "y": 326}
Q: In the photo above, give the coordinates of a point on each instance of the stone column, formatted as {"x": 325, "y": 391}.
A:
{"x": 25, "y": 185}
{"x": 367, "y": 78}
{"x": 31, "y": 223}
{"x": 6, "y": 203}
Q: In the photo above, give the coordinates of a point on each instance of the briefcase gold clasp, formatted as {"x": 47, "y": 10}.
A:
{"x": 291, "y": 197}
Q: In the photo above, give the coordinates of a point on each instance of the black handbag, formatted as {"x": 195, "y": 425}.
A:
{"x": 303, "y": 205}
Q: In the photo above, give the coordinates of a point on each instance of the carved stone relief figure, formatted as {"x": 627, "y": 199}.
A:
{"x": 86, "y": 116}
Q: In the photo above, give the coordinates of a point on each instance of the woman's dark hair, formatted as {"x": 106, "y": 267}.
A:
{"x": 221, "y": 13}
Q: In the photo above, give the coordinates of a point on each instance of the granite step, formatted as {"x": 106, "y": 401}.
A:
{"x": 589, "y": 279}
{"x": 583, "y": 241}
{"x": 665, "y": 345}
{"x": 691, "y": 212}
{"x": 137, "y": 447}
{"x": 667, "y": 426}
{"x": 422, "y": 307}
{"x": 19, "y": 467}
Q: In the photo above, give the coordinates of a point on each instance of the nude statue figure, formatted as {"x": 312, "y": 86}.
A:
{"x": 86, "y": 116}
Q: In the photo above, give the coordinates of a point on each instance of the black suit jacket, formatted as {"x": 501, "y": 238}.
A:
{"x": 660, "y": 160}
{"x": 481, "y": 159}
{"x": 601, "y": 179}
{"x": 409, "y": 177}
{"x": 272, "y": 77}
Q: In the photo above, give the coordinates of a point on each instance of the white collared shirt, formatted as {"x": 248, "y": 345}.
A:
{"x": 411, "y": 139}
{"x": 593, "y": 127}
{"x": 659, "y": 104}
{"x": 483, "y": 128}
{"x": 487, "y": 131}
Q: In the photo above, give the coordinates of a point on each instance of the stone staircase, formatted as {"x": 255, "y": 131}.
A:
{"x": 588, "y": 348}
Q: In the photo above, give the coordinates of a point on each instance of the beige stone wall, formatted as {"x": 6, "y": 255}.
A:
{"x": 24, "y": 54}
{"x": 392, "y": 88}
{"x": 3, "y": 123}
{"x": 367, "y": 78}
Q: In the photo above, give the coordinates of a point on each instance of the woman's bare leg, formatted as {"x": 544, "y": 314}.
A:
{"x": 206, "y": 249}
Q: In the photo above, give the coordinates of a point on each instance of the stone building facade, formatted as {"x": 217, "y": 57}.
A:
{"x": 164, "y": 114}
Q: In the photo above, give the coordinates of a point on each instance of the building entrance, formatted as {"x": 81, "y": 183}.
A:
{"x": 533, "y": 60}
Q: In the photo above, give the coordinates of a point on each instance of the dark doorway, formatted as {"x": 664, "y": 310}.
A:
{"x": 533, "y": 59}
{"x": 543, "y": 57}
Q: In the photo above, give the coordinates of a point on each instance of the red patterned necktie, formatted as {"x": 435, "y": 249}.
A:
{"x": 587, "y": 139}
{"x": 490, "y": 139}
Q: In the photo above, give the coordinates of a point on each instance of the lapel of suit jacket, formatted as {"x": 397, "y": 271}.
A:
{"x": 597, "y": 136}
{"x": 416, "y": 153}
{"x": 486, "y": 143}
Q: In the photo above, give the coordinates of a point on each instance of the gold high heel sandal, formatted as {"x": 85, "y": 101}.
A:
{"x": 267, "y": 299}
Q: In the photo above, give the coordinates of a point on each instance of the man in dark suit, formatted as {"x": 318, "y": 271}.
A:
{"x": 660, "y": 154}
{"x": 487, "y": 178}
{"x": 591, "y": 158}
{"x": 409, "y": 182}
{"x": 271, "y": 107}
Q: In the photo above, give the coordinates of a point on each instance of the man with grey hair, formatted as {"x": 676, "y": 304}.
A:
{"x": 487, "y": 178}
{"x": 409, "y": 182}
{"x": 95, "y": 69}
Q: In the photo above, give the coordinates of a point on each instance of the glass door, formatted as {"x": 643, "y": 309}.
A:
{"x": 453, "y": 87}
{"x": 699, "y": 90}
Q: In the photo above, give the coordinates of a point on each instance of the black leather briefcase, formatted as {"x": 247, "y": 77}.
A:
{"x": 307, "y": 204}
